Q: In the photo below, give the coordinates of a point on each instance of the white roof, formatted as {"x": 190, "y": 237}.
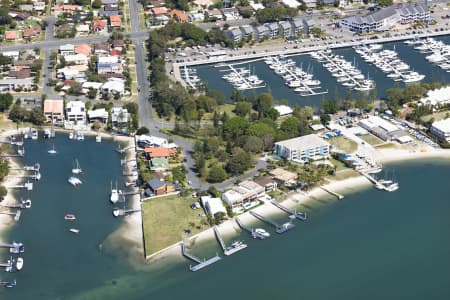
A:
{"x": 304, "y": 142}
{"x": 404, "y": 139}
{"x": 438, "y": 96}
{"x": 256, "y": 6}
{"x": 317, "y": 127}
{"x": 90, "y": 84}
{"x": 82, "y": 27}
{"x": 75, "y": 107}
{"x": 75, "y": 58}
{"x": 108, "y": 59}
{"x": 375, "y": 121}
{"x": 291, "y": 3}
{"x": 153, "y": 140}
{"x": 67, "y": 47}
{"x": 203, "y": 2}
{"x": 98, "y": 113}
{"x": 231, "y": 196}
{"x": 443, "y": 125}
{"x": 114, "y": 85}
{"x": 283, "y": 110}
{"x": 11, "y": 53}
{"x": 213, "y": 205}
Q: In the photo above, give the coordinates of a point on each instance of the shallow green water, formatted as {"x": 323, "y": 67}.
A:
{"x": 371, "y": 245}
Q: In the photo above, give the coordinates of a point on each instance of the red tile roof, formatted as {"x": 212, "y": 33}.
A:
{"x": 11, "y": 35}
{"x": 159, "y": 152}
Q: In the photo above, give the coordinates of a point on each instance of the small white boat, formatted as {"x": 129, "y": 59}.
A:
{"x": 74, "y": 230}
{"x": 115, "y": 194}
{"x": 74, "y": 181}
{"x": 98, "y": 139}
{"x": 53, "y": 150}
{"x": 71, "y": 136}
{"x": 262, "y": 232}
{"x": 80, "y": 136}
{"x": 77, "y": 169}
{"x": 19, "y": 263}
{"x": 70, "y": 217}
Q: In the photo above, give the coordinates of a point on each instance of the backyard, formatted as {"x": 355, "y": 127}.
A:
{"x": 343, "y": 144}
{"x": 371, "y": 139}
{"x": 165, "y": 220}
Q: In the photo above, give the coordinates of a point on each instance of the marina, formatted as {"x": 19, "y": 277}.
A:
{"x": 242, "y": 78}
{"x": 302, "y": 82}
{"x": 437, "y": 52}
{"x": 190, "y": 77}
{"x": 279, "y": 228}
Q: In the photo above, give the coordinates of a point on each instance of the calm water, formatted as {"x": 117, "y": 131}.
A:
{"x": 276, "y": 84}
{"x": 371, "y": 245}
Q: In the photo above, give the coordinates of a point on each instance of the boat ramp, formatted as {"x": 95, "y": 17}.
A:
{"x": 235, "y": 246}
{"x": 298, "y": 215}
{"x": 200, "y": 264}
{"x": 278, "y": 228}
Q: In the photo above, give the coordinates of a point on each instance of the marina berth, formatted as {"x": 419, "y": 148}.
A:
{"x": 242, "y": 78}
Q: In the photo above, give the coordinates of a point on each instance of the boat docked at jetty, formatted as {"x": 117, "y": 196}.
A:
{"x": 115, "y": 194}
{"x": 260, "y": 233}
{"x": 19, "y": 263}
{"x": 243, "y": 79}
{"x": 16, "y": 248}
{"x": 74, "y": 181}
{"x": 70, "y": 217}
{"x": 31, "y": 133}
{"x": 440, "y": 52}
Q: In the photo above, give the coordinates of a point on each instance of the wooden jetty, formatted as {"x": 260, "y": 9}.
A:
{"x": 27, "y": 185}
{"x": 16, "y": 215}
{"x": 119, "y": 212}
{"x": 200, "y": 264}
{"x": 279, "y": 228}
{"x": 235, "y": 246}
{"x": 250, "y": 230}
{"x": 337, "y": 195}
{"x": 298, "y": 215}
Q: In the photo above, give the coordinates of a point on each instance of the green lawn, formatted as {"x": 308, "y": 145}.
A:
{"x": 343, "y": 144}
{"x": 344, "y": 174}
{"x": 228, "y": 108}
{"x": 436, "y": 116}
{"x": 339, "y": 164}
{"x": 386, "y": 146}
{"x": 165, "y": 220}
{"x": 371, "y": 139}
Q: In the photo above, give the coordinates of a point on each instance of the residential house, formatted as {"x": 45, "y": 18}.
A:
{"x": 115, "y": 22}
{"x": 108, "y": 2}
{"x": 100, "y": 115}
{"x": 98, "y": 25}
{"x": 297, "y": 26}
{"x": 26, "y": 7}
{"x": 291, "y": 3}
{"x": 441, "y": 130}
{"x": 157, "y": 152}
{"x": 39, "y": 6}
{"x": 119, "y": 116}
{"x": 243, "y": 195}
{"x": 78, "y": 59}
{"x": 158, "y": 11}
{"x": 111, "y": 7}
{"x": 179, "y": 16}
{"x": 76, "y": 72}
{"x": 285, "y": 29}
{"x": 11, "y": 35}
{"x": 113, "y": 86}
{"x": 157, "y": 187}
{"x": 260, "y": 32}
{"x": 117, "y": 44}
{"x": 230, "y": 13}
{"x": 82, "y": 29}
{"x": 12, "y": 84}
{"x": 283, "y": 177}
{"x": 101, "y": 49}
{"x": 67, "y": 49}
{"x": 212, "y": 205}
{"x": 19, "y": 74}
{"x": 380, "y": 20}
{"x": 273, "y": 30}
{"x": 149, "y": 141}
{"x": 203, "y": 3}
{"x": 310, "y": 3}
{"x": 248, "y": 32}
{"x": 76, "y": 111}
{"x": 83, "y": 49}
{"x": 109, "y": 65}
{"x": 303, "y": 149}
{"x": 12, "y": 54}
{"x": 283, "y": 110}
{"x": 267, "y": 182}
{"x": 214, "y": 14}
{"x": 54, "y": 110}
{"x": 108, "y": 13}
{"x": 19, "y": 16}
{"x": 235, "y": 34}
{"x": 196, "y": 17}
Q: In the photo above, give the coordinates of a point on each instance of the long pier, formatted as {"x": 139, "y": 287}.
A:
{"x": 337, "y": 195}
{"x": 16, "y": 215}
{"x": 247, "y": 83}
{"x": 219, "y": 239}
{"x": 253, "y": 232}
{"x": 200, "y": 264}
{"x": 235, "y": 247}
{"x": 298, "y": 215}
{"x": 279, "y": 228}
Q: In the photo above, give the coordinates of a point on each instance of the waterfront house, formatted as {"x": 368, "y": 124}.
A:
{"x": 303, "y": 149}
{"x": 149, "y": 141}
{"x": 157, "y": 187}
{"x": 260, "y": 32}
{"x": 273, "y": 30}
{"x": 243, "y": 196}
{"x": 247, "y": 32}
{"x": 283, "y": 110}
{"x": 13, "y": 84}
{"x": 54, "y": 110}
{"x": 267, "y": 182}
{"x": 441, "y": 130}
{"x": 76, "y": 111}
{"x": 119, "y": 116}
{"x": 157, "y": 152}
{"x": 100, "y": 115}
{"x": 235, "y": 34}
{"x": 283, "y": 177}
{"x": 285, "y": 29}
{"x": 213, "y": 205}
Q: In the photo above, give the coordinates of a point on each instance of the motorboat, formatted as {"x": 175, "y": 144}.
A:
{"x": 74, "y": 230}
{"x": 115, "y": 194}
{"x": 47, "y": 134}
{"x": 116, "y": 212}
{"x": 8, "y": 284}
{"x": 19, "y": 263}
{"x": 74, "y": 181}
{"x": 71, "y": 136}
{"x": 70, "y": 217}
{"x": 25, "y": 203}
{"x": 392, "y": 187}
{"x": 261, "y": 232}
{"x": 77, "y": 169}
{"x": 80, "y": 136}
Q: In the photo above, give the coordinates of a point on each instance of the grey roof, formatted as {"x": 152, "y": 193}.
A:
{"x": 261, "y": 29}
{"x": 247, "y": 30}
{"x": 108, "y": 13}
{"x": 285, "y": 25}
{"x": 24, "y": 81}
{"x": 155, "y": 183}
{"x": 109, "y": 2}
{"x": 380, "y": 15}
{"x": 272, "y": 26}
{"x": 297, "y": 22}
{"x": 235, "y": 32}
{"x": 229, "y": 10}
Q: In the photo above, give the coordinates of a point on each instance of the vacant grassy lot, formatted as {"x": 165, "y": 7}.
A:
{"x": 371, "y": 139}
{"x": 387, "y": 146}
{"x": 344, "y": 144}
{"x": 165, "y": 220}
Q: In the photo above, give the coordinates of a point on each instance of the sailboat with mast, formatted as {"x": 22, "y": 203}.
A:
{"x": 52, "y": 150}
{"x": 77, "y": 169}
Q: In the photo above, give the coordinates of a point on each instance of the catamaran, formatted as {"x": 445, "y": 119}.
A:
{"x": 77, "y": 169}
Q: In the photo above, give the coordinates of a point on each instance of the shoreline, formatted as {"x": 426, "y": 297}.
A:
{"x": 352, "y": 184}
